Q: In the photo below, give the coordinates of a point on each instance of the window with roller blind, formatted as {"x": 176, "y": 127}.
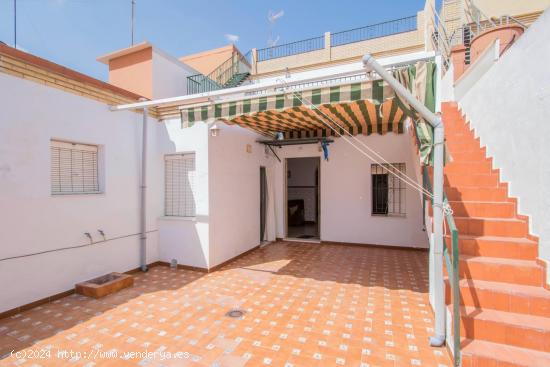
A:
{"x": 179, "y": 181}
{"x": 73, "y": 168}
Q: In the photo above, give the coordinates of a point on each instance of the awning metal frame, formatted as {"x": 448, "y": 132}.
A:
{"x": 300, "y": 141}
{"x": 285, "y": 142}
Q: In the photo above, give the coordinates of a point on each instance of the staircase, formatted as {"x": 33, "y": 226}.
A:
{"x": 236, "y": 80}
{"x": 505, "y": 313}
{"x": 229, "y": 74}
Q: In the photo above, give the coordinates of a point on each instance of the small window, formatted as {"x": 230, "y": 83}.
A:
{"x": 388, "y": 190}
{"x": 179, "y": 185}
{"x": 74, "y": 168}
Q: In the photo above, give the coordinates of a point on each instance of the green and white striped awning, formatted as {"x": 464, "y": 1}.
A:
{"x": 362, "y": 107}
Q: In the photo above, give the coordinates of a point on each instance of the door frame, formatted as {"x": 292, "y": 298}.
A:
{"x": 285, "y": 195}
{"x": 263, "y": 203}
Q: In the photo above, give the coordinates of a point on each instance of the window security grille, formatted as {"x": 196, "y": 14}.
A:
{"x": 73, "y": 168}
{"x": 388, "y": 191}
{"x": 179, "y": 185}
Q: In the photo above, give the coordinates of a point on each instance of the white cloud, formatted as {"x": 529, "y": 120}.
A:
{"x": 233, "y": 38}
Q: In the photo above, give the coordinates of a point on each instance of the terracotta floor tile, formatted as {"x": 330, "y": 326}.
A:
{"x": 306, "y": 305}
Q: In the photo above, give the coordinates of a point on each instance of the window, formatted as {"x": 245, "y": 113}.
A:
{"x": 179, "y": 185}
{"x": 73, "y": 168}
{"x": 388, "y": 191}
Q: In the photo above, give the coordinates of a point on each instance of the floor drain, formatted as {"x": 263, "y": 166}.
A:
{"x": 235, "y": 314}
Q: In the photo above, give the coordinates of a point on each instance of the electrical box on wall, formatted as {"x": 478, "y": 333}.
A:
{"x": 248, "y": 148}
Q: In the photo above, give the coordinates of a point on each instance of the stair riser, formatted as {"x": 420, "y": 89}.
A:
{"x": 496, "y": 332}
{"x": 487, "y": 227}
{"x": 507, "y": 250}
{"x": 480, "y": 209}
{"x": 460, "y": 134}
{"x": 494, "y": 300}
{"x": 476, "y": 194}
{"x": 470, "y": 156}
{"x": 469, "y": 180}
{"x": 526, "y": 275}
{"x": 465, "y": 145}
{"x": 469, "y": 168}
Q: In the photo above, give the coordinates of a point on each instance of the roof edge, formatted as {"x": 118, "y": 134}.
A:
{"x": 64, "y": 71}
{"x": 125, "y": 51}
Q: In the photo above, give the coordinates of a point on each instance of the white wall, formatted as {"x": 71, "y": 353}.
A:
{"x": 169, "y": 75}
{"x": 509, "y": 108}
{"x": 185, "y": 239}
{"x": 234, "y": 192}
{"x": 32, "y": 220}
{"x": 346, "y": 193}
{"x": 471, "y": 76}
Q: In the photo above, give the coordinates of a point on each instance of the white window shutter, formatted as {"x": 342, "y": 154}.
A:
{"x": 179, "y": 185}
{"x": 74, "y": 168}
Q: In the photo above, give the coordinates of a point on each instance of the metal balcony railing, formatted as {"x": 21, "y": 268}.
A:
{"x": 288, "y": 49}
{"x": 383, "y": 29}
{"x": 230, "y": 72}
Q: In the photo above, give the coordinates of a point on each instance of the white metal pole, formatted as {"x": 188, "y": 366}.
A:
{"x": 143, "y": 199}
{"x": 439, "y": 286}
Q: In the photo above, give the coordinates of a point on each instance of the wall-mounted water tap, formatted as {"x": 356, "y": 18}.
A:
{"x": 87, "y": 234}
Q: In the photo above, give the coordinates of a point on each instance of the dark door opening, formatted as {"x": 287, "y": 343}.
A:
{"x": 302, "y": 192}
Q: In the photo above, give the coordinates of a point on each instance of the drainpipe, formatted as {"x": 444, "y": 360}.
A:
{"x": 371, "y": 64}
{"x": 143, "y": 198}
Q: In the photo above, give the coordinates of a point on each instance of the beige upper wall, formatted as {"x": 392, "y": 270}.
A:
{"x": 395, "y": 44}
{"x": 207, "y": 61}
{"x": 496, "y": 8}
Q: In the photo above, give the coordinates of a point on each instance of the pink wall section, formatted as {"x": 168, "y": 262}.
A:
{"x": 133, "y": 72}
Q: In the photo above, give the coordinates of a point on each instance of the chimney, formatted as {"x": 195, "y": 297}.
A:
{"x": 145, "y": 70}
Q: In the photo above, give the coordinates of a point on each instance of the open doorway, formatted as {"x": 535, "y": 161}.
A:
{"x": 302, "y": 193}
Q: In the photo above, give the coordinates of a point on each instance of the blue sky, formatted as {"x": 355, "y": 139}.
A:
{"x": 74, "y": 33}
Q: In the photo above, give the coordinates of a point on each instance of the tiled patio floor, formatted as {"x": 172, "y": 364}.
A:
{"x": 306, "y": 304}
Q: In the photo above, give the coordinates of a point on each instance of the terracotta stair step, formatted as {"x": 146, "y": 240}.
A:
{"x": 462, "y": 133}
{"x": 472, "y": 155}
{"x": 499, "y": 296}
{"x": 469, "y": 167}
{"x": 476, "y": 353}
{"x": 524, "y": 331}
{"x": 463, "y": 146}
{"x": 459, "y": 133}
{"x": 497, "y": 246}
{"x": 495, "y": 269}
{"x": 471, "y": 180}
{"x": 477, "y": 193}
{"x": 495, "y": 209}
{"x": 485, "y": 226}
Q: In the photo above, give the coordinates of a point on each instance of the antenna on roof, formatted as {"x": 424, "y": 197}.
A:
{"x": 272, "y": 18}
{"x": 133, "y": 5}
{"x": 15, "y": 23}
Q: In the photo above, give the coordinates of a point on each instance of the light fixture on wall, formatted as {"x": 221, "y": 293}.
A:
{"x": 214, "y": 130}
